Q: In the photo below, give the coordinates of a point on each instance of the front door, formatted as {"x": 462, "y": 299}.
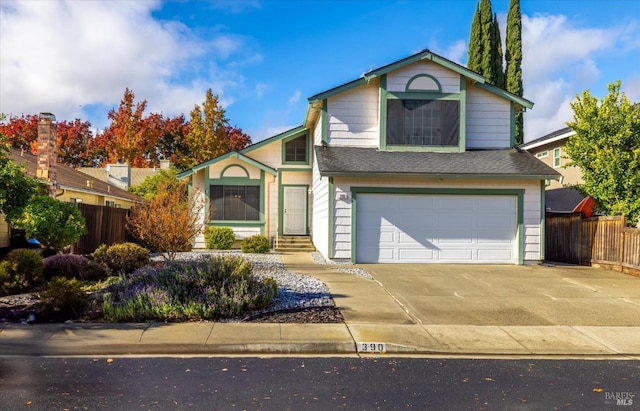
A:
{"x": 295, "y": 210}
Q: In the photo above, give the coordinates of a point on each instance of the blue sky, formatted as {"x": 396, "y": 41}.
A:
{"x": 265, "y": 58}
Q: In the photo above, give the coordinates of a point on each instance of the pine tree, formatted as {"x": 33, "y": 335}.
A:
{"x": 513, "y": 57}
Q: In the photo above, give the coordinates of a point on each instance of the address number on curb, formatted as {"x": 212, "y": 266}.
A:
{"x": 372, "y": 347}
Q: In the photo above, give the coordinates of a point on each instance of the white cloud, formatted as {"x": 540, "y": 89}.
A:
{"x": 63, "y": 55}
{"x": 295, "y": 97}
{"x": 561, "y": 60}
{"x": 457, "y": 52}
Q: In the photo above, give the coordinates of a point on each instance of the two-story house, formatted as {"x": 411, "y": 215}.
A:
{"x": 560, "y": 194}
{"x": 413, "y": 162}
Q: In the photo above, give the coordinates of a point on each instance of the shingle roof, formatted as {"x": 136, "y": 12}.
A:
{"x": 546, "y": 138}
{"x": 70, "y": 178}
{"x": 506, "y": 163}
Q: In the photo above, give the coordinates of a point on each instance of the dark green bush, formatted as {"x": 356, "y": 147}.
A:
{"x": 122, "y": 258}
{"x": 219, "y": 238}
{"x": 21, "y": 271}
{"x": 255, "y": 244}
{"x": 209, "y": 288}
{"x": 62, "y": 299}
{"x": 73, "y": 266}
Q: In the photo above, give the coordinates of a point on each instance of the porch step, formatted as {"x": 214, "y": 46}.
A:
{"x": 290, "y": 243}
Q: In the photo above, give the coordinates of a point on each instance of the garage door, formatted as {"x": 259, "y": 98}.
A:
{"x": 435, "y": 228}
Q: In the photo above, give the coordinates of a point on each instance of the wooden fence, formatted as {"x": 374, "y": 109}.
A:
{"x": 604, "y": 241}
{"x": 105, "y": 225}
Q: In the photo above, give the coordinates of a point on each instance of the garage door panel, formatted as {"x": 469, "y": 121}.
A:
{"x": 436, "y": 228}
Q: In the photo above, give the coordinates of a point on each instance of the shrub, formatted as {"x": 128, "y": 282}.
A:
{"x": 73, "y": 266}
{"x": 62, "y": 299}
{"x": 219, "y": 238}
{"x": 208, "y": 288}
{"x": 54, "y": 223}
{"x": 122, "y": 258}
{"x": 21, "y": 271}
{"x": 256, "y": 244}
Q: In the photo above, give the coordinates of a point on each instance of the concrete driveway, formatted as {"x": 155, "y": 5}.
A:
{"x": 511, "y": 295}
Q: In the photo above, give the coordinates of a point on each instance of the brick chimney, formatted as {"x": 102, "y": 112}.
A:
{"x": 47, "y": 150}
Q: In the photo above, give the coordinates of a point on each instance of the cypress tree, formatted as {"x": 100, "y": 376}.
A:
{"x": 475, "y": 43}
{"x": 513, "y": 57}
{"x": 487, "y": 34}
{"x": 497, "y": 68}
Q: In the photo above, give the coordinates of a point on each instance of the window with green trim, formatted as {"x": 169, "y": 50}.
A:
{"x": 235, "y": 202}
{"x": 295, "y": 151}
{"x": 419, "y": 122}
{"x": 556, "y": 157}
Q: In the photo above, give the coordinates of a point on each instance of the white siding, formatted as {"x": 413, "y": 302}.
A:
{"x": 531, "y": 206}
{"x": 353, "y": 117}
{"x": 449, "y": 80}
{"x": 198, "y": 184}
{"x": 488, "y": 120}
{"x": 320, "y": 212}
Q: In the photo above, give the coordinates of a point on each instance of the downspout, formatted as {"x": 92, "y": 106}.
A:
{"x": 275, "y": 239}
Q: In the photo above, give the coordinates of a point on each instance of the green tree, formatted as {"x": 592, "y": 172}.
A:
{"x": 513, "y": 57}
{"x": 606, "y": 148}
{"x": 207, "y": 134}
{"x": 152, "y": 185}
{"x": 485, "y": 46}
{"x": 16, "y": 188}
{"x": 54, "y": 223}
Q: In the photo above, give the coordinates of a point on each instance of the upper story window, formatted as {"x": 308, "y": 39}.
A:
{"x": 556, "y": 157}
{"x": 418, "y": 122}
{"x": 423, "y": 116}
{"x": 295, "y": 151}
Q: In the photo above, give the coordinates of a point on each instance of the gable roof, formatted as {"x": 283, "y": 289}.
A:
{"x": 71, "y": 179}
{"x": 549, "y": 138}
{"x": 360, "y": 161}
{"x": 230, "y": 154}
{"x": 299, "y": 130}
{"x": 423, "y": 55}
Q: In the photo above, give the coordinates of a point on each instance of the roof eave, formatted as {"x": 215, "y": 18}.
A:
{"x": 443, "y": 176}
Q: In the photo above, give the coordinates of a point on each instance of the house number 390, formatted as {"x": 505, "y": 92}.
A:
{"x": 372, "y": 347}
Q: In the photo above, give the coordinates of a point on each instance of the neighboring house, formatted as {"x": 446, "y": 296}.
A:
{"x": 412, "y": 162}
{"x": 65, "y": 183}
{"x": 560, "y": 196}
{"x": 123, "y": 175}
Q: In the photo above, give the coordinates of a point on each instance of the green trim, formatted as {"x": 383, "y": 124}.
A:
{"x": 238, "y": 223}
{"x": 422, "y": 95}
{"x": 423, "y": 55}
{"x": 324, "y": 118}
{"x": 505, "y": 94}
{"x": 308, "y": 148}
{"x": 417, "y": 76}
{"x": 382, "y": 113}
{"x": 543, "y": 220}
{"x": 462, "y": 123}
{"x": 294, "y": 132}
{"x": 246, "y": 172}
{"x": 519, "y": 193}
{"x": 232, "y": 154}
{"x": 280, "y": 202}
{"x": 330, "y": 218}
{"x": 281, "y": 188}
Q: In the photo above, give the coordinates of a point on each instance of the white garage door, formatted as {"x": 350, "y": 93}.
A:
{"x": 435, "y": 228}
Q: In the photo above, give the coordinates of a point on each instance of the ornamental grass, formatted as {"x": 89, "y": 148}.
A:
{"x": 209, "y": 288}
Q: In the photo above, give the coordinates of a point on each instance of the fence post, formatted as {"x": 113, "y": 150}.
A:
{"x": 624, "y": 225}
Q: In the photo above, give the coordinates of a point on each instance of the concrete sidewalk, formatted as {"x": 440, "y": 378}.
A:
{"x": 373, "y": 319}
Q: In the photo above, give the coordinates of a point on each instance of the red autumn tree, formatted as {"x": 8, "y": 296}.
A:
{"x": 21, "y": 132}
{"x": 237, "y": 139}
{"x": 73, "y": 139}
{"x": 130, "y": 137}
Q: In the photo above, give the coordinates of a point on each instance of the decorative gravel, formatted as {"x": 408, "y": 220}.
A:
{"x": 351, "y": 270}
